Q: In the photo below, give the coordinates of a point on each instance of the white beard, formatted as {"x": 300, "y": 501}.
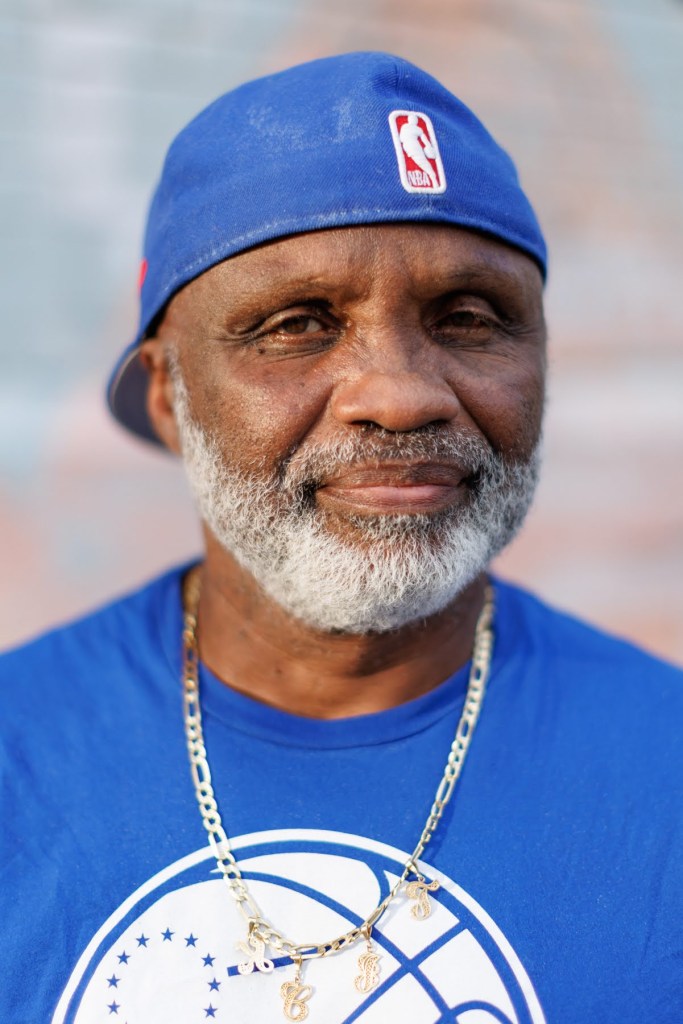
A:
{"x": 392, "y": 569}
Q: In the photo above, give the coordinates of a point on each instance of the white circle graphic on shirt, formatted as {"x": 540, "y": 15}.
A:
{"x": 169, "y": 954}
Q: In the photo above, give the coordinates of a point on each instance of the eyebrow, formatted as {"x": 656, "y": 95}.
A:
{"x": 279, "y": 282}
{"x": 457, "y": 276}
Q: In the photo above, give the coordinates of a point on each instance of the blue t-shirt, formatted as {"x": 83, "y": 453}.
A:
{"x": 559, "y": 856}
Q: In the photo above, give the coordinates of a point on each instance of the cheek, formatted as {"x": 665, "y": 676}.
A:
{"x": 260, "y": 416}
{"x": 507, "y": 406}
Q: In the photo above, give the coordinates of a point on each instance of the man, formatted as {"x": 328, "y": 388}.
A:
{"x": 427, "y": 796}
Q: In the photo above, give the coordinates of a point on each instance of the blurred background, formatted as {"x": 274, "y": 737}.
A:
{"x": 587, "y": 95}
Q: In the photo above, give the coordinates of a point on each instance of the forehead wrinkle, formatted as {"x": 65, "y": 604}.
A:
{"x": 290, "y": 273}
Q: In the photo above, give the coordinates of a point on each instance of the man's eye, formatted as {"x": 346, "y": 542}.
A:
{"x": 299, "y": 325}
{"x": 467, "y": 318}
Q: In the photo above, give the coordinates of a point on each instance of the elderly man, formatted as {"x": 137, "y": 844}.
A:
{"x": 427, "y": 796}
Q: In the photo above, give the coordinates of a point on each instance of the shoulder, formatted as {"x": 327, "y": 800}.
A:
{"x": 572, "y": 656}
{"x": 555, "y": 634}
{"x": 589, "y": 707}
{"x": 103, "y": 643}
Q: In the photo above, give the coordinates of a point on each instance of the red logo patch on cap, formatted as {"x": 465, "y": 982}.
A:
{"x": 417, "y": 152}
{"x": 142, "y": 274}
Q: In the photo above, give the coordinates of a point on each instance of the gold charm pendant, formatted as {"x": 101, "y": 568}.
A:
{"x": 419, "y": 891}
{"x": 255, "y": 949}
{"x": 368, "y": 965}
{"x": 295, "y": 996}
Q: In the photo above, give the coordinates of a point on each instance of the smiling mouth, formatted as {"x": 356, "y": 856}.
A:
{"x": 395, "y": 489}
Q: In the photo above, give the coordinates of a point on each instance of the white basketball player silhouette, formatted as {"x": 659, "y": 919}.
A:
{"x": 417, "y": 146}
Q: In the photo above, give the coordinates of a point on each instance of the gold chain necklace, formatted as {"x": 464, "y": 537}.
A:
{"x": 261, "y": 936}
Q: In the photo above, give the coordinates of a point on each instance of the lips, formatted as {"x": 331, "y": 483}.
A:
{"x": 395, "y": 488}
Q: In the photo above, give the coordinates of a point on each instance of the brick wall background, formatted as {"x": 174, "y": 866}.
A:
{"x": 588, "y": 97}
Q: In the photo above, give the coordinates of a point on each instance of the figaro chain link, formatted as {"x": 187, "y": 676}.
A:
{"x": 260, "y": 933}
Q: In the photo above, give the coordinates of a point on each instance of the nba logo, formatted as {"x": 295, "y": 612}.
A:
{"x": 417, "y": 152}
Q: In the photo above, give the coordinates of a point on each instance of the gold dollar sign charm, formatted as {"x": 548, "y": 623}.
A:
{"x": 368, "y": 965}
{"x": 419, "y": 891}
{"x": 295, "y": 996}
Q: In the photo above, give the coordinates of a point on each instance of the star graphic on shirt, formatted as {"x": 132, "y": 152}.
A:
{"x": 167, "y": 936}
{"x": 143, "y": 940}
{"x": 113, "y": 981}
{"x": 214, "y": 985}
{"x": 123, "y": 957}
{"x": 113, "y": 1007}
{"x": 191, "y": 940}
{"x": 210, "y": 1010}
{"x": 208, "y": 960}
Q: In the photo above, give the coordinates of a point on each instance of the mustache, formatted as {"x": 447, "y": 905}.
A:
{"x": 312, "y": 463}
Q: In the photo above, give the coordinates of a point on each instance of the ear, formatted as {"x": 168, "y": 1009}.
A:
{"x": 154, "y": 357}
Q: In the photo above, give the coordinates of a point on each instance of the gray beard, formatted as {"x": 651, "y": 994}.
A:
{"x": 390, "y": 570}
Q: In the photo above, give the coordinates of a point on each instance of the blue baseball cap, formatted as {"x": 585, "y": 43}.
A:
{"x": 361, "y": 138}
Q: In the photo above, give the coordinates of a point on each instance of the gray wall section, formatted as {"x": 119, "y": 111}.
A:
{"x": 587, "y": 95}
{"x": 91, "y": 95}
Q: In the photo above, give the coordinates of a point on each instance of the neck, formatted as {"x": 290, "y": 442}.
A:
{"x": 255, "y": 647}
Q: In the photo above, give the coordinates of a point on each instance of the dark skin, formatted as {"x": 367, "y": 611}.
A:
{"x": 331, "y": 334}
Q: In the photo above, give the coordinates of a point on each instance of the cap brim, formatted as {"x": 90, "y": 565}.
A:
{"x": 127, "y": 395}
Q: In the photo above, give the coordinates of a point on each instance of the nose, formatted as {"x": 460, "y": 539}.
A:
{"x": 396, "y": 397}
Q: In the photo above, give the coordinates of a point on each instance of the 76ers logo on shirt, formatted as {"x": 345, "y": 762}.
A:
{"x": 417, "y": 152}
{"x": 175, "y": 951}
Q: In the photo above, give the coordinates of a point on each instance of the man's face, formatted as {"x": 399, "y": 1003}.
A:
{"x": 359, "y": 410}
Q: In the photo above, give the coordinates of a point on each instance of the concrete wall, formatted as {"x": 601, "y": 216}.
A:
{"x": 588, "y": 97}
